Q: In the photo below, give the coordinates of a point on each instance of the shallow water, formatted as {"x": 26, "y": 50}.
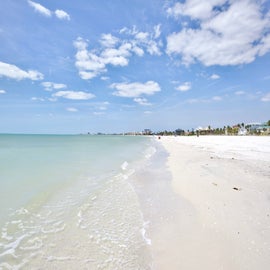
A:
{"x": 73, "y": 202}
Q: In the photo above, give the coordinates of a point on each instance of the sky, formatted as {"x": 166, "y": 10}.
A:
{"x": 128, "y": 65}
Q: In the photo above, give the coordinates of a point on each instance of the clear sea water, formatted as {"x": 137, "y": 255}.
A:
{"x": 77, "y": 201}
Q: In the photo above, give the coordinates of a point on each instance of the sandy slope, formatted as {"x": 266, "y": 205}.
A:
{"x": 226, "y": 182}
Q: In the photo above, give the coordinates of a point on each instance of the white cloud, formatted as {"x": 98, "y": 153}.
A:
{"x": 142, "y": 101}
{"x": 115, "y": 51}
{"x": 138, "y": 51}
{"x": 196, "y": 9}
{"x": 184, "y": 87}
{"x": 266, "y": 98}
{"x": 76, "y": 95}
{"x": 71, "y": 109}
{"x": 108, "y": 40}
{"x": 239, "y": 93}
{"x": 40, "y": 9}
{"x": 229, "y": 33}
{"x": 62, "y": 15}
{"x": 204, "y": 100}
{"x": 157, "y": 31}
{"x": 147, "y": 40}
{"x": 142, "y": 36}
{"x": 214, "y": 76}
{"x": 89, "y": 64}
{"x": 216, "y": 98}
{"x": 2, "y": 91}
{"x": 117, "y": 57}
{"x": 13, "y": 72}
{"x": 49, "y": 86}
{"x": 37, "y": 99}
{"x": 136, "y": 89}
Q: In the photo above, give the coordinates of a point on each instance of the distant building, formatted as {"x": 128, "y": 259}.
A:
{"x": 203, "y": 130}
{"x": 257, "y": 128}
{"x": 147, "y": 132}
{"x": 242, "y": 131}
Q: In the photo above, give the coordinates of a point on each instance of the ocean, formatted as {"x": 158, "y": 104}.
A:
{"x": 79, "y": 201}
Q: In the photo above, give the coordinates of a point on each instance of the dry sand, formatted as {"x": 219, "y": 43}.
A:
{"x": 224, "y": 185}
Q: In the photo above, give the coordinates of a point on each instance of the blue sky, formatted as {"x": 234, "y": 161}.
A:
{"x": 126, "y": 65}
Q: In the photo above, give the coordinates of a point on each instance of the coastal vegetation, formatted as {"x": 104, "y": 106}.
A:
{"x": 238, "y": 129}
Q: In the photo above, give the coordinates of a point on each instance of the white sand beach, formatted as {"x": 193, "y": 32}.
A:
{"x": 225, "y": 222}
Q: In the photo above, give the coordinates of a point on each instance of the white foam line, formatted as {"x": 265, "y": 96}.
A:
{"x": 11, "y": 247}
{"x": 55, "y": 229}
{"x": 54, "y": 258}
{"x": 124, "y": 166}
{"x": 80, "y": 220}
{"x": 15, "y": 244}
{"x": 146, "y": 239}
{"x": 37, "y": 244}
{"x": 5, "y": 236}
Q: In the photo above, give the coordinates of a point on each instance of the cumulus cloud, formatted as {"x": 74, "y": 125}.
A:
{"x": 88, "y": 63}
{"x": 228, "y": 32}
{"x": 62, "y": 15}
{"x": 117, "y": 57}
{"x": 49, "y": 86}
{"x": 142, "y": 101}
{"x": 239, "y": 93}
{"x": 40, "y": 9}
{"x": 76, "y": 95}
{"x": 2, "y": 91}
{"x": 196, "y": 9}
{"x": 13, "y": 72}
{"x": 157, "y": 31}
{"x": 37, "y": 99}
{"x": 115, "y": 51}
{"x": 214, "y": 76}
{"x": 108, "y": 40}
{"x": 146, "y": 40}
{"x": 136, "y": 89}
{"x": 184, "y": 87}
{"x": 266, "y": 98}
{"x": 71, "y": 109}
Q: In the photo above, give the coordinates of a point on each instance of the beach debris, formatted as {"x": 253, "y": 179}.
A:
{"x": 235, "y": 188}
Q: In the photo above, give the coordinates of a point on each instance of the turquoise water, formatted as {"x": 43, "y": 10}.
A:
{"x": 69, "y": 199}
{"x": 34, "y": 165}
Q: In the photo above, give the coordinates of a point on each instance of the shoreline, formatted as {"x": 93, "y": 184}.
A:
{"x": 226, "y": 225}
